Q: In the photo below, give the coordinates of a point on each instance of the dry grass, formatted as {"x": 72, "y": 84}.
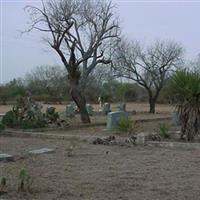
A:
{"x": 97, "y": 172}
{"x": 138, "y": 107}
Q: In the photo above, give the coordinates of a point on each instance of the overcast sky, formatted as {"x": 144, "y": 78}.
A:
{"x": 145, "y": 21}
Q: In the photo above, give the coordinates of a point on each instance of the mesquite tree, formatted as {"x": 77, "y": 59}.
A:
{"x": 148, "y": 67}
{"x": 81, "y": 32}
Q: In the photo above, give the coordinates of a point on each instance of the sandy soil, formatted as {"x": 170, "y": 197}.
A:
{"x": 98, "y": 172}
{"x": 138, "y": 107}
{"x": 151, "y": 126}
{"x": 163, "y": 111}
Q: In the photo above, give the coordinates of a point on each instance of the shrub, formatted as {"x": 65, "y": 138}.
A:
{"x": 126, "y": 125}
{"x": 2, "y": 127}
{"x": 25, "y": 181}
{"x": 51, "y": 115}
{"x": 29, "y": 124}
{"x": 186, "y": 90}
{"x": 27, "y": 114}
{"x": 3, "y": 185}
{"x": 164, "y": 130}
{"x": 10, "y": 119}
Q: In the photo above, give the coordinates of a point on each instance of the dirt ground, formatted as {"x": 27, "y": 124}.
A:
{"x": 97, "y": 172}
{"x": 138, "y": 107}
{"x": 162, "y": 111}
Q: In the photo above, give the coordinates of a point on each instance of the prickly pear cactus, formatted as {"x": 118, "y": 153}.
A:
{"x": 25, "y": 114}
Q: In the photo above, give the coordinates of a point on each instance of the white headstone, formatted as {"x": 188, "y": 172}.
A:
{"x": 106, "y": 108}
{"x": 100, "y": 103}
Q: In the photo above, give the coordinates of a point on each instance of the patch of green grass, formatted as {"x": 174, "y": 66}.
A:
{"x": 126, "y": 125}
{"x": 164, "y": 130}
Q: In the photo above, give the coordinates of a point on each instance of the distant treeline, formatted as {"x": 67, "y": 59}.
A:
{"x": 49, "y": 84}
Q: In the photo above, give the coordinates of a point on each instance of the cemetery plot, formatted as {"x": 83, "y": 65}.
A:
{"x": 93, "y": 172}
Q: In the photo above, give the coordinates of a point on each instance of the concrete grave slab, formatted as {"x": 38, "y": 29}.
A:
{"x": 6, "y": 157}
{"x": 41, "y": 151}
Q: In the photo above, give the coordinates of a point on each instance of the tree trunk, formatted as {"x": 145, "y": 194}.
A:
{"x": 74, "y": 76}
{"x": 152, "y": 104}
{"x": 80, "y": 101}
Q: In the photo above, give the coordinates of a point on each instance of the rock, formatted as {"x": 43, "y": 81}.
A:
{"x": 113, "y": 119}
{"x": 133, "y": 112}
{"x": 105, "y": 141}
{"x": 131, "y": 140}
{"x": 41, "y": 151}
{"x": 112, "y": 140}
{"x": 154, "y": 137}
{"x": 6, "y": 157}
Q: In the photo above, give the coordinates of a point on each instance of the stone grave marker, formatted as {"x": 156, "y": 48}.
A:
{"x": 106, "y": 108}
{"x": 100, "y": 100}
{"x": 141, "y": 139}
{"x": 122, "y": 107}
{"x": 1, "y": 116}
{"x": 175, "y": 119}
{"x": 113, "y": 119}
{"x": 90, "y": 109}
{"x": 70, "y": 111}
{"x": 41, "y": 151}
{"x": 6, "y": 157}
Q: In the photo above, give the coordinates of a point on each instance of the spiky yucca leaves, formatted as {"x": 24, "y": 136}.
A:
{"x": 186, "y": 90}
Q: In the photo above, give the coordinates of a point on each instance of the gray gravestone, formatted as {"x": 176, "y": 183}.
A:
{"x": 6, "y": 157}
{"x": 41, "y": 151}
{"x": 141, "y": 139}
{"x": 90, "y": 109}
{"x": 100, "y": 103}
{"x": 113, "y": 119}
{"x": 106, "y": 108}
{"x": 122, "y": 107}
{"x": 175, "y": 119}
{"x": 70, "y": 111}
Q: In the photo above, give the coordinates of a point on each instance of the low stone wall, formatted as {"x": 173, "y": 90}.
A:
{"x": 71, "y": 127}
{"x": 14, "y": 133}
{"x": 179, "y": 145}
{"x": 89, "y": 138}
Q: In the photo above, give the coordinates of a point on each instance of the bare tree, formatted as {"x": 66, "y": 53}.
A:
{"x": 195, "y": 64}
{"x": 81, "y": 32}
{"x": 49, "y": 80}
{"x": 148, "y": 67}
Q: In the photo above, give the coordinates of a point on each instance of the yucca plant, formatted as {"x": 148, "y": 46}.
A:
{"x": 186, "y": 90}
